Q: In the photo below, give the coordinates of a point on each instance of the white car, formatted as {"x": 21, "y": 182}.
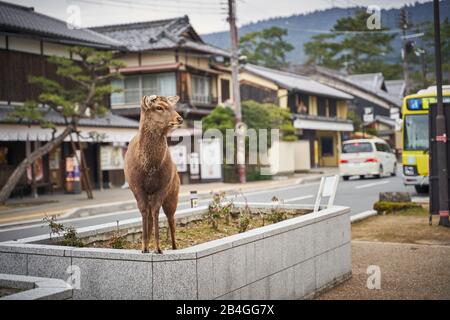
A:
{"x": 363, "y": 157}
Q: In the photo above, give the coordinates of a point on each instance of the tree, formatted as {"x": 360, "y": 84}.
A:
{"x": 351, "y": 46}
{"x": 266, "y": 47}
{"x": 90, "y": 78}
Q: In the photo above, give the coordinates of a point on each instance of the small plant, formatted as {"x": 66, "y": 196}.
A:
{"x": 71, "y": 239}
{"x": 55, "y": 228}
{"x": 276, "y": 215}
{"x": 118, "y": 241}
{"x": 245, "y": 216}
{"x": 218, "y": 208}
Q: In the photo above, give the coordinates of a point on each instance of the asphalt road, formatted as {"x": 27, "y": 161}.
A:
{"x": 358, "y": 194}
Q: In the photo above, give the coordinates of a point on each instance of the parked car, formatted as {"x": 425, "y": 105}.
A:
{"x": 367, "y": 157}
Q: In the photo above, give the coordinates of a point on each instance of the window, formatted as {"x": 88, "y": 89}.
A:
{"x": 225, "y": 89}
{"x": 134, "y": 87}
{"x": 201, "y": 89}
{"x": 321, "y": 107}
{"x": 383, "y": 147}
{"x": 380, "y": 147}
{"x": 332, "y": 108}
{"x": 302, "y": 104}
{"x": 357, "y": 147}
{"x": 327, "y": 146}
{"x": 416, "y": 132}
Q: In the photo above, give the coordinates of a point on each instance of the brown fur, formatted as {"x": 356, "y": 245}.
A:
{"x": 149, "y": 168}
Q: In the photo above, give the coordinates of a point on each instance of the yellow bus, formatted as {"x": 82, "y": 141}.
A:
{"x": 415, "y": 128}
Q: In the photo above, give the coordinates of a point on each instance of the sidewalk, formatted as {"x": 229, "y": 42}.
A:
{"x": 30, "y": 208}
{"x": 408, "y": 271}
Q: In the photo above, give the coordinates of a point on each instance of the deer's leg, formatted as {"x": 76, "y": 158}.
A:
{"x": 150, "y": 225}
{"x": 155, "y": 214}
{"x": 143, "y": 206}
{"x": 169, "y": 209}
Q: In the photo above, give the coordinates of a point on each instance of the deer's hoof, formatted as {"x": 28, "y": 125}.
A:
{"x": 158, "y": 251}
{"x": 145, "y": 251}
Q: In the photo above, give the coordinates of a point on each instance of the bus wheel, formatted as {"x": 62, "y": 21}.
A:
{"x": 421, "y": 188}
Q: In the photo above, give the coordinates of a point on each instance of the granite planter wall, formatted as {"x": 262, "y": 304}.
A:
{"x": 292, "y": 259}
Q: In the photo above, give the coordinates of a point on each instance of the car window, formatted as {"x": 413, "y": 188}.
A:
{"x": 356, "y": 147}
{"x": 380, "y": 147}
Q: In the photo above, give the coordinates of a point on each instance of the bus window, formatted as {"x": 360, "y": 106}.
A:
{"x": 416, "y": 132}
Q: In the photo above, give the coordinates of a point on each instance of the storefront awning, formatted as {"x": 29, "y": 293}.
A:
{"x": 312, "y": 124}
{"x": 13, "y": 132}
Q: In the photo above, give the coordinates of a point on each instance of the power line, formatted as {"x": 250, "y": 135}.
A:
{"x": 157, "y": 7}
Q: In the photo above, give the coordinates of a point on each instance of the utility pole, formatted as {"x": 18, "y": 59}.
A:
{"x": 441, "y": 130}
{"x": 236, "y": 91}
{"x": 403, "y": 24}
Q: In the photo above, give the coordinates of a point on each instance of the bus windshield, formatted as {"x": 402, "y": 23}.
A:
{"x": 416, "y": 132}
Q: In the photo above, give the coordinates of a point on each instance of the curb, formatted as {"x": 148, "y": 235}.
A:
{"x": 101, "y": 208}
{"x": 362, "y": 215}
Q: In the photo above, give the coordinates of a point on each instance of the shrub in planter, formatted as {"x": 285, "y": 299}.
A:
{"x": 383, "y": 207}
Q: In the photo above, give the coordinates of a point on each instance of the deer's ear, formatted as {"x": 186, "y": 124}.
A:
{"x": 173, "y": 100}
{"x": 146, "y": 101}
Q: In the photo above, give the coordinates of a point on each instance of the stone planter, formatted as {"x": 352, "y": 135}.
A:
{"x": 292, "y": 259}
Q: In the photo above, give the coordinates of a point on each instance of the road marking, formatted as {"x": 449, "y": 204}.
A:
{"x": 368, "y": 185}
{"x": 309, "y": 196}
{"x": 43, "y": 224}
{"x": 118, "y": 213}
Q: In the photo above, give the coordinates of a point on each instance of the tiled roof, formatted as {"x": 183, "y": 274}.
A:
{"x": 159, "y": 34}
{"x": 15, "y": 19}
{"x": 396, "y": 88}
{"x": 370, "y": 80}
{"x": 345, "y": 78}
{"x": 292, "y": 81}
{"x": 108, "y": 120}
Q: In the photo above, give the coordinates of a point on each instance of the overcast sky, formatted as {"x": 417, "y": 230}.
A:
{"x": 205, "y": 15}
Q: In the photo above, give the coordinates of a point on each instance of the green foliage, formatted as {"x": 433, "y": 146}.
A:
{"x": 71, "y": 238}
{"x": 268, "y": 116}
{"x": 422, "y": 66}
{"x": 89, "y": 80}
{"x": 266, "y": 47}
{"x": 54, "y": 226}
{"x": 220, "y": 118}
{"x": 218, "y": 208}
{"x": 352, "y": 46}
{"x": 391, "y": 207}
{"x": 118, "y": 241}
{"x": 356, "y": 119}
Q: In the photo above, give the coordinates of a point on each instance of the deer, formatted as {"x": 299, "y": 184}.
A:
{"x": 151, "y": 174}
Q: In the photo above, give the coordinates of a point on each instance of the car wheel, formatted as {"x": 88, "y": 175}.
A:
{"x": 362, "y": 177}
{"x": 394, "y": 173}
{"x": 345, "y": 178}
{"x": 378, "y": 176}
{"x": 421, "y": 189}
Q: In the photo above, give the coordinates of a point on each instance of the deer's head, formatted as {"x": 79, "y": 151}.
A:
{"x": 158, "y": 113}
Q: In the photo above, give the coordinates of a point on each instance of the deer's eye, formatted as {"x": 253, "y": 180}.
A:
{"x": 159, "y": 108}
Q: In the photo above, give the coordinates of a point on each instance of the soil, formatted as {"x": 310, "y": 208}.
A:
{"x": 8, "y": 291}
{"x": 196, "y": 232}
{"x": 412, "y": 257}
{"x": 406, "y": 226}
